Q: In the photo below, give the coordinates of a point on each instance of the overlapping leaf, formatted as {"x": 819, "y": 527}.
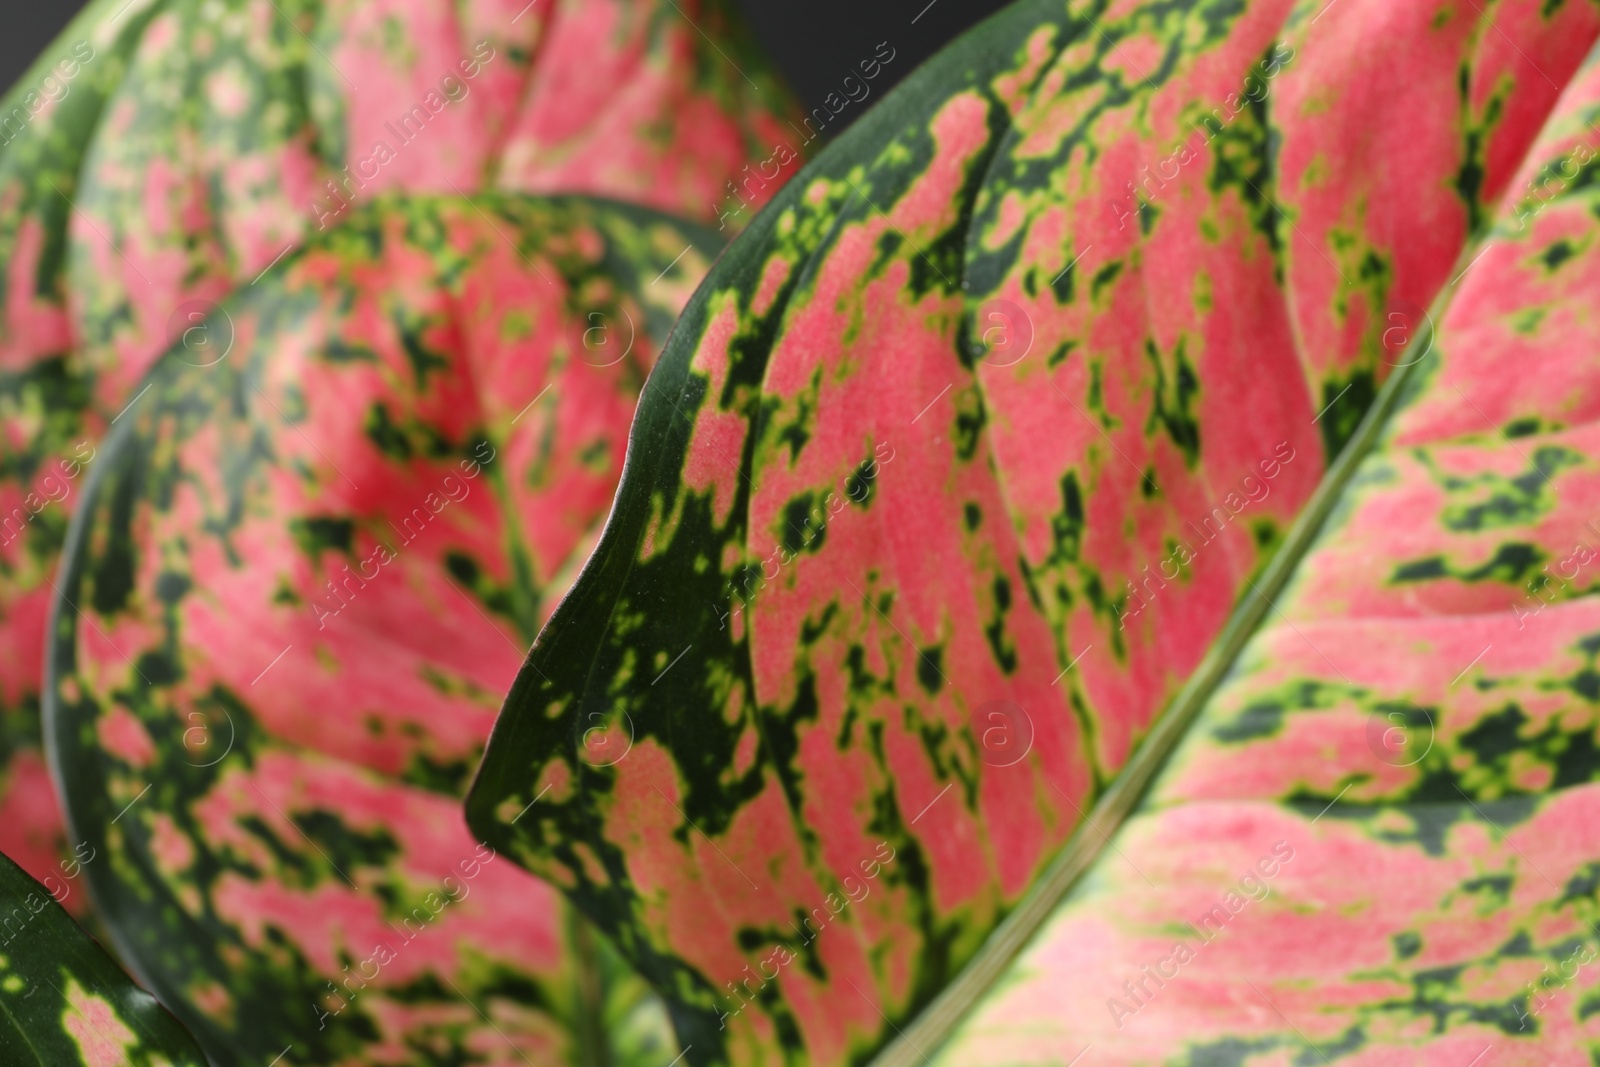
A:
{"x": 956, "y": 467}
{"x": 163, "y": 152}
{"x": 48, "y": 429}
{"x": 243, "y": 126}
{"x": 1379, "y": 840}
{"x": 64, "y": 1002}
{"x": 304, "y": 571}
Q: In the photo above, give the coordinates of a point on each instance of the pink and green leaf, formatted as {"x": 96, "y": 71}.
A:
{"x": 199, "y": 141}
{"x": 302, "y": 575}
{"x": 46, "y": 427}
{"x": 63, "y": 1001}
{"x": 1378, "y": 839}
{"x": 964, "y": 466}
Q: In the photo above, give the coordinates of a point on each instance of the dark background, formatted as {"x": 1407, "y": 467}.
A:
{"x": 815, "y": 43}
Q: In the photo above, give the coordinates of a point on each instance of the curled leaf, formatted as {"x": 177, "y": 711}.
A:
{"x": 303, "y": 573}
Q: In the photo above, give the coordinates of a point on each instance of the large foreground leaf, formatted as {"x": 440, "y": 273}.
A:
{"x": 302, "y": 575}
{"x": 956, "y": 467}
{"x": 163, "y": 152}
{"x": 64, "y": 1002}
{"x": 1379, "y": 842}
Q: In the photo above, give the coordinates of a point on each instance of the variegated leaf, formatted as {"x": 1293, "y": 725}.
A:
{"x": 304, "y": 572}
{"x": 45, "y": 418}
{"x": 955, "y": 470}
{"x": 63, "y": 1001}
{"x": 172, "y": 150}
{"x": 1378, "y": 842}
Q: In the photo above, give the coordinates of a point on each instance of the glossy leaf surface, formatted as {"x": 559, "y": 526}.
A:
{"x": 303, "y": 573}
{"x": 956, "y": 467}
{"x": 64, "y": 1002}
